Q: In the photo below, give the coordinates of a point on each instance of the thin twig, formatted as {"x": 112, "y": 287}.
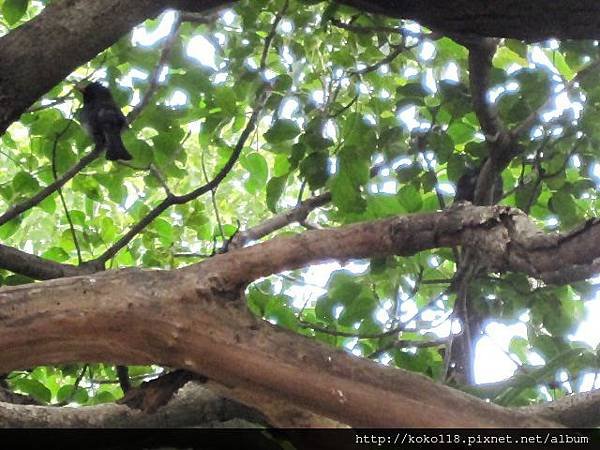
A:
{"x": 271, "y": 35}
{"x": 60, "y": 193}
{"x": 162, "y": 62}
{"x": 213, "y": 199}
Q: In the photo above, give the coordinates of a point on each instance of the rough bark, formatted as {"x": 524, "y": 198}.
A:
{"x": 577, "y": 410}
{"x": 192, "y": 318}
{"x": 187, "y": 319}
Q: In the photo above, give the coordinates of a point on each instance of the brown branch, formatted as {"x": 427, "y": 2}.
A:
{"x": 299, "y": 213}
{"x": 281, "y": 220}
{"x": 33, "y": 266}
{"x": 204, "y": 333}
{"x": 481, "y": 52}
{"x": 501, "y": 145}
{"x": 576, "y": 411}
{"x": 510, "y": 242}
{"x": 119, "y": 317}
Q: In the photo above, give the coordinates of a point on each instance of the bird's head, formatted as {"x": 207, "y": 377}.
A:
{"x": 93, "y": 91}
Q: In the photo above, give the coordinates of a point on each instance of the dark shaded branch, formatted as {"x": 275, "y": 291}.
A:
{"x": 33, "y": 266}
{"x": 531, "y": 21}
{"x": 481, "y": 52}
{"x": 271, "y": 35}
{"x": 193, "y": 405}
{"x": 501, "y": 145}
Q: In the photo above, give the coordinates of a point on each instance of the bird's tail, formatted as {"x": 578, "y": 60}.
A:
{"x": 115, "y": 148}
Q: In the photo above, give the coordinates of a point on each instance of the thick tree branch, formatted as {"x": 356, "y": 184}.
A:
{"x": 531, "y": 21}
{"x": 191, "y": 318}
{"x": 208, "y": 334}
{"x": 580, "y": 410}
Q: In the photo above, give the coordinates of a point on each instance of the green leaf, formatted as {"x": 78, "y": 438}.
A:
{"x": 34, "y": 388}
{"x": 561, "y": 65}
{"x": 314, "y": 169}
{"x": 103, "y": 397}
{"x": 410, "y": 198}
{"x": 282, "y": 130}
{"x": 56, "y": 254}
{"x": 358, "y": 308}
{"x": 225, "y": 99}
{"x": 282, "y": 165}
{"x": 13, "y": 10}
{"x": 259, "y": 171}
{"x": 24, "y": 183}
{"x": 461, "y": 133}
{"x": 563, "y": 204}
{"x": 9, "y": 228}
{"x": 353, "y": 173}
{"x": 505, "y": 57}
{"x": 163, "y": 228}
{"x": 48, "y": 205}
{"x": 275, "y": 189}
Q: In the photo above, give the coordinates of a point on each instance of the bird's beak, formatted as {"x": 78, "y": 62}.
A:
{"x": 81, "y": 86}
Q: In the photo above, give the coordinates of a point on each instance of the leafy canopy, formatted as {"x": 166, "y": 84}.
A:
{"x": 349, "y": 92}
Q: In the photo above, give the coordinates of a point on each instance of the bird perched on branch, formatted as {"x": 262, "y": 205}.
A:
{"x": 103, "y": 120}
{"x": 465, "y": 187}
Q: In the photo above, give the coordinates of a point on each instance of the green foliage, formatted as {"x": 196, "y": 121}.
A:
{"x": 351, "y": 115}
{"x": 13, "y": 10}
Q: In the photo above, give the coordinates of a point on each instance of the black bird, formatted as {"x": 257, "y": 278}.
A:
{"x": 465, "y": 187}
{"x": 103, "y": 120}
